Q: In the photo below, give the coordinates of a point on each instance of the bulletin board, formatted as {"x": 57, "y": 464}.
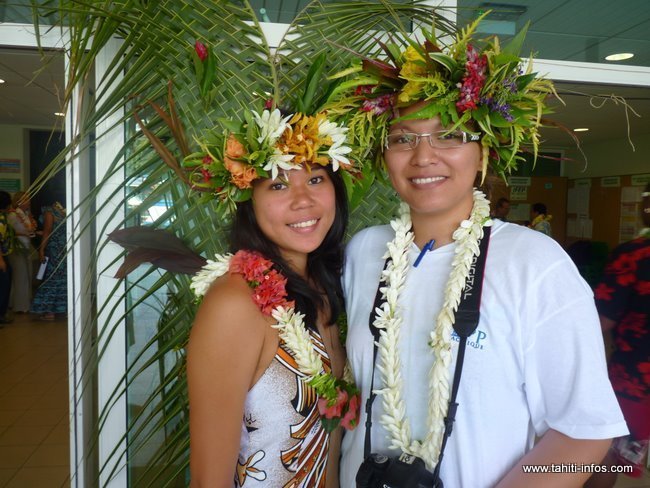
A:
{"x": 613, "y": 208}
{"x": 525, "y": 191}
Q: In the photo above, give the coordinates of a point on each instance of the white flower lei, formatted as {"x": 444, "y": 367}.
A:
{"x": 389, "y": 321}
{"x": 291, "y": 326}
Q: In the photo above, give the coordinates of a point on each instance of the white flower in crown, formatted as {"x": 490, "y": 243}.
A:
{"x": 279, "y": 161}
{"x": 271, "y": 125}
{"x": 332, "y": 130}
{"x": 337, "y": 150}
{"x": 337, "y": 155}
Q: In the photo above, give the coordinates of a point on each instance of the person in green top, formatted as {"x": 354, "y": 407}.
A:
{"x": 6, "y": 247}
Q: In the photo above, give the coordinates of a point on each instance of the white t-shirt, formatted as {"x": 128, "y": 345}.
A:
{"x": 536, "y": 360}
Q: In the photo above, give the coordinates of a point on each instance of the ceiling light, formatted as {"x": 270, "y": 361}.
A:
{"x": 1, "y": 81}
{"x": 619, "y": 56}
{"x": 59, "y": 114}
{"x": 581, "y": 129}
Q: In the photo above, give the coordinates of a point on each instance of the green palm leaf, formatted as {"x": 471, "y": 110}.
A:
{"x": 156, "y": 40}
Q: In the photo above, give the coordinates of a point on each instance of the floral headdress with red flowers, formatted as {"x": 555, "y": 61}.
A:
{"x": 475, "y": 86}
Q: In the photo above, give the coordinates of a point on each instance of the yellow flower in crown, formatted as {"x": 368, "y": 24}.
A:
{"x": 478, "y": 86}
{"x": 412, "y": 54}
{"x": 414, "y": 70}
{"x": 260, "y": 147}
{"x": 303, "y": 139}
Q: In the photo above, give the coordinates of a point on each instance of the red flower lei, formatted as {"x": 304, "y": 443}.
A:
{"x": 338, "y": 400}
{"x": 269, "y": 286}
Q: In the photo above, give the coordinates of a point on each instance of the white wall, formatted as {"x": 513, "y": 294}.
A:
{"x": 11, "y": 142}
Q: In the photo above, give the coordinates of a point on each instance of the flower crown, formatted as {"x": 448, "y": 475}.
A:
{"x": 260, "y": 147}
{"x": 470, "y": 88}
{"x": 265, "y": 142}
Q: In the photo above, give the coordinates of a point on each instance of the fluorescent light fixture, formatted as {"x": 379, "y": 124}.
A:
{"x": 581, "y": 129}
{"x": 619, "y": 56}
{"x": 59, "y": 114}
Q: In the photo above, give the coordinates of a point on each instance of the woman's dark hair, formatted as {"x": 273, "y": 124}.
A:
{"x": 5, "y": 200}
{"x": 540, "y": 208}
{"x": 324, "y": 264}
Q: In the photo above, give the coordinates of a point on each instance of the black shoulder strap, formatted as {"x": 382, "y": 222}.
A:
{"x": 375, "y": 340}
{"x": 466, "y": 321}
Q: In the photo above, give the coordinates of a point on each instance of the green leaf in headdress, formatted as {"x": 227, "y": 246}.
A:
{"x": 312, "y": 81}
{"x": 516, "y": 43}
{"x": 427, "y": 112}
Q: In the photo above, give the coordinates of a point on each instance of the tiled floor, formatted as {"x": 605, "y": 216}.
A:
{"x": 34, "y": 438}
{"x": 626, "y": 482}
{"x": 34, "y": 442}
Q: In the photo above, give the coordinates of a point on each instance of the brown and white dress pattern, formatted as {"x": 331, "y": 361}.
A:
{"x": 282, "y": 441}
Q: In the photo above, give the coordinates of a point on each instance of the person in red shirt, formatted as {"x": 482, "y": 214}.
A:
{"x": 623, "y": 301}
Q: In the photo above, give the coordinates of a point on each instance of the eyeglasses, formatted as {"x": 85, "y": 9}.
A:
{"x": 407, "y": 141}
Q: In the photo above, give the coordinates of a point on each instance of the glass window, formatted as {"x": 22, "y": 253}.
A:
{"x": 576, "y": 30}
{"x": 284, "y": 11}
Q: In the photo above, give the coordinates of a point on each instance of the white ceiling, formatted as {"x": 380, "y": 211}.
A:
{"x": 33, "y": 88}
{"x": 34, "y": 85}
{"x": 608, "y": 116}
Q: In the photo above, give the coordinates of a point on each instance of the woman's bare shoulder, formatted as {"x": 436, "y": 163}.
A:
{"x": 228, "y": 303}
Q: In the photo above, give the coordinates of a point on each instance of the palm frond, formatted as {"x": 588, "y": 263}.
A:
{"x": 156, "y": 40}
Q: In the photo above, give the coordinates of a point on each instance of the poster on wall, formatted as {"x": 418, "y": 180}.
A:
{"x": 11, "y": 184}
{"x": 519, "y": 193}
{"x": 640, "y": 180}
{"x": 578, "y": 201}
{"x": 519, "y": 212}
{"x": 630, "y": 223}
{"x": 9, "y": 165}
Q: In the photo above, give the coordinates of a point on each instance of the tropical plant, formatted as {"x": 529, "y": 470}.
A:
{"x": 155, "y": 41}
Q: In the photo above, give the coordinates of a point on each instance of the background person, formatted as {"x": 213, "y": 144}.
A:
{"x": 501, "y": 209}
{"x": 623, "y": 301}
{"x": 6, "y": 248}
{"x": 24, "y": 227}
{"x": 541, "y": 221}
{"x": 51, "y": 297}
{"x": 532, "y": 368}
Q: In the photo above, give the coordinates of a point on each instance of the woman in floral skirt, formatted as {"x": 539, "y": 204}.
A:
{"x": 51, "y": 297}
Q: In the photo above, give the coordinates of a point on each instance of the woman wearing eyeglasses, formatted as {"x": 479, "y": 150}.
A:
{"x": 534, "y": 366}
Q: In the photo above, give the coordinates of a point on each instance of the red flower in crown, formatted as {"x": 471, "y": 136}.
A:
{"x": 378, "y": 105}
{"x": 201, "y": 50}
{"x": 470, "y": 89}
{"x": 206, "y": 175}
{"x": 363, "y": 89}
